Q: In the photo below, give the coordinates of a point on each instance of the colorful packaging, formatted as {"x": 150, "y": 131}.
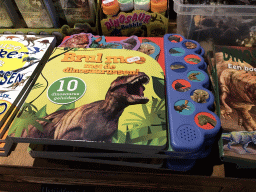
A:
{"x": 137, "y": 22}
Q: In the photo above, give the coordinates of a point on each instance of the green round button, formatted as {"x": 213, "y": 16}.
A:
{"x": 66, "y": 90}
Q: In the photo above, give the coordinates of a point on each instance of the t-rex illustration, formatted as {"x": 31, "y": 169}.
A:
{"x": 240, "y": 137}
{"x": 200, "y": 96}
{"x": 237, "y": 91}
{"x": 95, "y": 121}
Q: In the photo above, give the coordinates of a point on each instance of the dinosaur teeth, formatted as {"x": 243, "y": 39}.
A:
{"x": 143, "y": 80}
{"x": 134, "y": 81}
{"x": 139, "y": 97}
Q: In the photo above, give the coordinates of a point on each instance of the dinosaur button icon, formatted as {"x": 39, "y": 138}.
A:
{"x": 205, "y": 120}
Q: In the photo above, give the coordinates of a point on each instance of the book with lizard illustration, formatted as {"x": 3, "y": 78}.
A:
{"x": 21, "y": 59}
{"x": 89, "y": 97}
{"x": 233, "y": 74}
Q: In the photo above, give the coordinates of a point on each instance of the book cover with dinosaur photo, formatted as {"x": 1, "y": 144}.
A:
{"x": 95, "y": 97}
{"x": 21, "y": 58}
{"x": 233, "y": 73}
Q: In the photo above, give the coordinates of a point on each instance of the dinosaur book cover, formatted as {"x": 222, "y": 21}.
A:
{"x": 21, "y": 58}
{"x": 233, "y": 74}
{"x": 95, "y": 97}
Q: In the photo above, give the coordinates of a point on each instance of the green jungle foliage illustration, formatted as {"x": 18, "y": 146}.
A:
{"x": 150, "y": 129}
{"x": 30, "y": 115}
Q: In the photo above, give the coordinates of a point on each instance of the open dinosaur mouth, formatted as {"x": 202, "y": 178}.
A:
{"x": 135, "y": 88}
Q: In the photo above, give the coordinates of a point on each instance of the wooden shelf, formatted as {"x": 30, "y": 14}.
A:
{"x": 21, "y": 171}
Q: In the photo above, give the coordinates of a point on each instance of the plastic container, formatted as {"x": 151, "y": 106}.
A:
{"x": 159, "y": 6}
{"x": 215, "y": 24}
{"x": 110, "y": 7}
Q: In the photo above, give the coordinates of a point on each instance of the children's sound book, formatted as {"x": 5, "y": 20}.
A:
{"x": 21, "y": 59}
{"x": 98, "y": 97}
{"x": 120, "y": 105}
{"x": 89, "y": 97}
{"x": 233, "y": 74}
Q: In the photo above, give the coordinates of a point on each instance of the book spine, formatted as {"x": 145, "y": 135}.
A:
{"x": 37, "y": 14}
{"x": 9, "y": 15}
{"x": 52, "y": 12}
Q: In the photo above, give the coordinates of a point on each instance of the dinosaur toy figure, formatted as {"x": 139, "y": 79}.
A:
{"x": 97, "y": 121}
{"x": 237, "y": 91}
{"x": 240, "y": 137}
{"x": 203, "y": 120}
{"x": 249, "y": 41}
{"x": 200, "y": 96}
